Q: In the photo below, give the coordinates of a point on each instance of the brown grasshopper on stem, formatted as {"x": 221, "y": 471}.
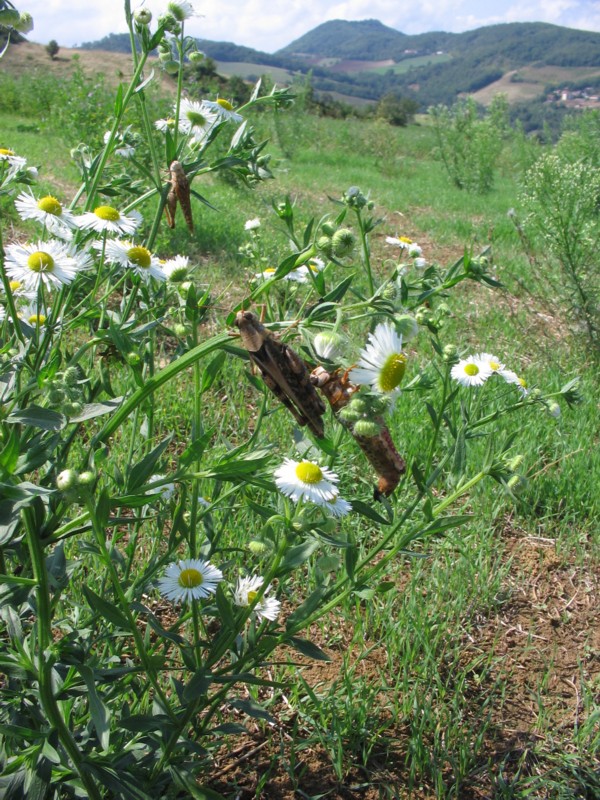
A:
{"x": 380, "y": 449}
{"x": 284, "y": 372}
{"x": 180, "y": 191}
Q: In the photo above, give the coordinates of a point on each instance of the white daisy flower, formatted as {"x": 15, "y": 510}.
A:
{"x": 189, "y": 579}
{"x": 166, "y": 490}
{"x": 110, "y": 220}
{"x": 252, "y": 224}
{"x": 9, "y": 157}
{"x": 492, "y": 361}
{"x": 246, "y": 592}
{"x": 47, "y": 210}
{"x": 51, "y": 263}
{"x": 181, "y": 10}
{"x": 304, "y": 480}
{"x": 168, "y": 124}
{"x": 195, "y": 118}
{"x": 399, "y": 241}
{"x": 19, "y": 289}
{"x": 512, "y": 377}
{"x": 266, "y": 274}
{"x": 134, "y": 257}
{"x": 382, "y": 363}
{"x": 338, "y": 506}
{"x": 33, "y": 315}
{"x": 120, "y": 145}
{"x": 299, "y": 275}
{"x": 316, "y": 265}
{"x": 223, "y": 109}
{"x": 471, "y": 371}
{"x": 176, "y": 269}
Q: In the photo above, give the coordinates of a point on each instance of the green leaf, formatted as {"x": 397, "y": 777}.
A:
{"x": 119, "y": 100}
{"x": 225, "y": 609}
{"x": 368, "y": 511}
{"x": 252, "y": 709}
{"x": 106, "y": 609}
{"x": 10, "y": 453}
{"x": 306, "y": 608}
{"x": 350, "y": 559}
{"x": 336, "y": 294}
{"x": 38, "y": 417}
{"x": 211, "y": 371}
{"x": 309, "y": 649}
{"x": 91, "y": 410}
{"x": 297, "y": 555}
{"x": 39, "y": 450}
{"x": 141, "y": 471}
{"x": 197, "y": 686}
{"x": 446, "y": 523}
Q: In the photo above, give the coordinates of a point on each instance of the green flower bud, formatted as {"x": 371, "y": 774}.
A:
{"x": 180, "y": 330}
{"x": 133, "y": 359}
{"x": 72, "y": 409}
{"x": 66, "y": 480}
{"x": 349, "y": 414}
{"x": 25, "y": 23}
{"x": 343, "y": 242}
{"x": 87, "y": 478}
{"x": 71, "y": 376}
{"x": 328, "y": 228}
{"x": 450, "y": 354}
{"x": 143, "y": 16}
{"x": 170, "y": 67}
{"x": 324, "y": 244}
{"x": 423, "y": 316}
{"x": 553, "y": 408}
{"x": 56, "y": 397}
{"x": 367, "y": 428}
{"x": 407, "y": 326}
{"x": 259, "y": 547}
{"x": 196, "y": 57}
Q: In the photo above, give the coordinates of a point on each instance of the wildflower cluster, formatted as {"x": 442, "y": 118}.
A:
{"x": 194, "y": 579}
{"x": 409, "y": 248}
{"x": 474, "y": 370}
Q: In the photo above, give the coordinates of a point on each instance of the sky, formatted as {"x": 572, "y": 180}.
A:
{"x": 269, "y": 25}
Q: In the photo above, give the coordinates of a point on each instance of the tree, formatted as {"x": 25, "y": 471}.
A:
{"x": 52, "y": 48}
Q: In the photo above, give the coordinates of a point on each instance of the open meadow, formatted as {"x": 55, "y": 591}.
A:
{"x": 349, "y": 552}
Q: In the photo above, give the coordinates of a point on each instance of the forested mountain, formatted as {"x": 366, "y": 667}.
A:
{"x": 429, "y": 68}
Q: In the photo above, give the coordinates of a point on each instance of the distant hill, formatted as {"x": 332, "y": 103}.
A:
{"x": 366, "y": 59}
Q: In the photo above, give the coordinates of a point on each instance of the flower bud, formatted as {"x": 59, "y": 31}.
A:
{"x": 71, "y": 376}
{"x": 367, "y": 428}
{"x": 86, "y": 478}
{"x": 133, "y": 359}
{"x": 66, "y": 480}
{"x": 450, "y": 354}
{"x": 180, "y": 330}
{"x": 143, "y": 16}
{"x": 170, "y": 67}
{"x": 328, "y": 228}
{"x": 259, "y": 547}
{"x": 407, "y": 326}
{"x": 328, "y": 345}
{"x": 553, "y": 408}
{"x": 196, "y": 57}
{"x": 324, "y": 244}
{"x": 423, "y": 316}
{"x": 9, "y": 17}
{"x": 343, "y": 241}
{"x": 25, "y": 23}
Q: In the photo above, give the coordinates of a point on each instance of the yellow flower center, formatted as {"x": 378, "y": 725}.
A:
{"x": 252, "y": 597}
{"x": 40, "y": 262}
{"x": 4, "y": 151}
{"x": 50, "y": 205}
{"x": 107, "y": 213}
{"x": 225, "y": 104}
{"x": 392, "y": 372}
{"x": 15, "y": 286}
{"x": 140, "y": 256}
{"x": 36, "y": 319}
{"x": 270, "y": 270}
{"x": 471, "y": 370}
{"x": 522, "y": 382}
{"x": 308, "y": 472}
{"x": 190, "y": 578}
{"x": 196, "y": 119}
{"x": 494, "y": 365}
{"x": 406, "y": 240}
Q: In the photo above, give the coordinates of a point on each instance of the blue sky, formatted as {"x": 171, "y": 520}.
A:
{"x": 271, "y": 24}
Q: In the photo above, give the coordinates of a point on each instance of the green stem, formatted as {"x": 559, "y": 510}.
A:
{"x": 46, "y": 662}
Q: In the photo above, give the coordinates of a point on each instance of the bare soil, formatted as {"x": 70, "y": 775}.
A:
{"x": 546, "y": 646}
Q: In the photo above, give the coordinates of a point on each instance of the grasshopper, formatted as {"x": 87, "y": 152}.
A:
{"x": 180, "y": 191}
{"x": 379, "y": 450}
{"x": 284, "y": 372}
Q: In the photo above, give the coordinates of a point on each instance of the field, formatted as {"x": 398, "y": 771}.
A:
{"x": 440, "y": 642}
{"x": 530, "y": 83}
